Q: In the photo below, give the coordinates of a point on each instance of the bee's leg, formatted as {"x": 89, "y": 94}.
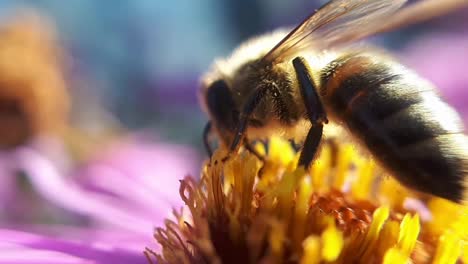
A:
{"x": 252, "y": 150}
{"x": 206, "y": 143}
{"x": 259, "y": 156}
{"x": 294, "y": 145}
{"x": 249, "y": 107}
{"x": 311, "y": 145}
{"x": 315, "y": 111}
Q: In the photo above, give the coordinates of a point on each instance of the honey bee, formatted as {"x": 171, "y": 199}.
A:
{"x": 293, "y": 83}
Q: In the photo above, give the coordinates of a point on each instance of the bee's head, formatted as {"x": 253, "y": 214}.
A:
{"x": 221, "y": 107}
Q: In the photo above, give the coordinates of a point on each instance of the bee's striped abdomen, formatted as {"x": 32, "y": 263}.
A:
{"x": 402, "y": 121}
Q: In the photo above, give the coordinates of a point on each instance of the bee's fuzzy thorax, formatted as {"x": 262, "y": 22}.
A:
{"x": 225, "y": 68}
{"x": 251, "y": 49}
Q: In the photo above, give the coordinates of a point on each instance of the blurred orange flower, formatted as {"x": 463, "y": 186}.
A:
{"x": 33, "y": 96}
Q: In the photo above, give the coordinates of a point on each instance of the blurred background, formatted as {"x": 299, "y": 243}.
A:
{"x": 140, "y": 60}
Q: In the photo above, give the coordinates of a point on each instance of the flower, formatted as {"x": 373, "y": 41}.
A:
{"x": 33, "y": 97}
{"x": 27, "y": 248}
{"x": 115, "y": 199}
{"x": 242, "y": 211}
{"x": 20, "y": 203}
{"x": 340, "y": 211}
{"x": 124, "y": 192}
{"x": 133, "y": 178}
{"x": 34, "y": 104}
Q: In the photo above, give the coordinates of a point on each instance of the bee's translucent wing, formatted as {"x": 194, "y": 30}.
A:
{"x": 420, "y": 11}
{"x": 337, "y": 22}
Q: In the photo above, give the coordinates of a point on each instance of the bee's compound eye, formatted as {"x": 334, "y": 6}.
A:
{"x": 221, "y": 104}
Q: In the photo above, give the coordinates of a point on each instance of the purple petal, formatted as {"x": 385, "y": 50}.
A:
{"x": 142, "y": 174}
{"x": 132, "y": 187}
{"x": 7, "y": 183}
{"x": 20, "y": 204}
{"x": 443, "y": 59}
{"x": 49, "y": 182}
{"x": 111, "y": 236}
{"x": 27, "y": 248}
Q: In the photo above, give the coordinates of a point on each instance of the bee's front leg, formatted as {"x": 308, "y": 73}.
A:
{"x": 247, "y": 111}
{"x": 315, "y": 111}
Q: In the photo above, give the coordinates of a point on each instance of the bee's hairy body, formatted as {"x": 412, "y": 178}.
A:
{"x": 244, "y": 73}
{"x": 401, "y": 120}
{"x": 394, "y": 113}
{"x": 279, "y": 111}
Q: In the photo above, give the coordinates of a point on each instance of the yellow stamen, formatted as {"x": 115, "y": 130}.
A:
{"x": 379, "y": 218}
{"x": 281, "y": 156}
{"x": 311, "y": 250}
{"x": 361, "y": 188}
{"x": 281, "y": 151}
{"x": 409, "y": 231}
{"x": 332, "y": 240}
{"x": 277, "y": 239}
{"x": 287, "y": 216}
{"x": 395, "y": 256}
{"x": 301, "y": 210}
{"x": 465, "y": 251}
{"x": 346, "y": 155}
{"x": 446, "y": 214}
{"x": 392, "y": 193}
{"x": 285, "y": 191}
{"x": 370, "y": 241}
{"x": 448, "y": 249}
{"x": 319, "y": 170}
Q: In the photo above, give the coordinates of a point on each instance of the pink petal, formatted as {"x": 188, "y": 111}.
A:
{"x": 131, "y": 188}
{"x": 27, "y": 248}
{"x": 68, "y": 194}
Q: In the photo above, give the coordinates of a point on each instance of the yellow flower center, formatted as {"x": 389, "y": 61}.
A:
{"x": 340, "y": 211}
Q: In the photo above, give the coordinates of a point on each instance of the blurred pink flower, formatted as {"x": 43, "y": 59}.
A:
{"x": 19, "y": 203}
{"x": 125, "y": 191}
{"x": 27, "y": 248}
{"x": 443, "y": 59}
